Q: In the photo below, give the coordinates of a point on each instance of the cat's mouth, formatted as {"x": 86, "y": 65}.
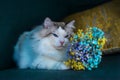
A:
{"x": 59, "y": 47}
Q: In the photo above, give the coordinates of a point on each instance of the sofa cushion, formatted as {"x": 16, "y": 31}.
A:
{"x": 105, "y": 17}
{"x": 109, "y": 69}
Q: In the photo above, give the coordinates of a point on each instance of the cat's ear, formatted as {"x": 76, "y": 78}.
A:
{"x": 70, "y": 26}
{"x": 47, "y": 23}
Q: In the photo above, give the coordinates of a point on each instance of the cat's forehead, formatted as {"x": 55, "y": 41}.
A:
{"x": 61, "y": 31}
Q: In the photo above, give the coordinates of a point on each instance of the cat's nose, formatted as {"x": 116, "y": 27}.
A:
{"x": 61, "y": 42}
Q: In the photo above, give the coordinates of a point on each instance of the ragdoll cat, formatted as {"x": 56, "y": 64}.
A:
{"x": 44, "y": 47}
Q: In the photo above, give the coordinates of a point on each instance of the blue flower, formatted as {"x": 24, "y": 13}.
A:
{"x": 86, "y": 49}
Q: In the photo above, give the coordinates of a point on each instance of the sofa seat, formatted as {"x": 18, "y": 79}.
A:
{"x": 108, "y": 69}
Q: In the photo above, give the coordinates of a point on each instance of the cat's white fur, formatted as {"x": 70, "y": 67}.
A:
{"x": 39, "y": 49}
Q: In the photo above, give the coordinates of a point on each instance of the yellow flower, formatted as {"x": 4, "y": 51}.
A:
{"x": 72, "y": 53}
{"x": 90, "y": 35}
{"x": 80, "y": 66}
{"x": 71, "y": 38}
{"x": 79, "y": 33}
{"x": 68, "y": 62}
{"x": 74, "y": 65}
{"x": 102, "y": 41}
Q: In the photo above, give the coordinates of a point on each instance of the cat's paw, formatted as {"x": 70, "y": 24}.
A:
{"x": 62, "y": 66}
{"x": 33, "y": 65}
{"x": 37, "y": 65}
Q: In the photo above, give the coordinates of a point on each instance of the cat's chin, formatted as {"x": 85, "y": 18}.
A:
{"x": 59, "y": 47}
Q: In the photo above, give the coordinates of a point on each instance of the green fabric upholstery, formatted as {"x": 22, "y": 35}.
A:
{"x": 17, "y": 16}
{"x": 109, "y": 69}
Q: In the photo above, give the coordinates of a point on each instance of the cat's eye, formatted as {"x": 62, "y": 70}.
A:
{"x": 55, "y": 35}
{"x": 66, "y": 36}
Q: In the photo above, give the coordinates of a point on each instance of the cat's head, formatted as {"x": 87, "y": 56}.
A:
{"x": 58, "y": 32}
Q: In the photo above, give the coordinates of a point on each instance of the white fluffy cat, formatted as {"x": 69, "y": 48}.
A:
{"x": 44, "y": 47}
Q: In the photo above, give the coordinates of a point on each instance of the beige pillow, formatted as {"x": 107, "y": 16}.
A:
{"x": 106, "y": 17}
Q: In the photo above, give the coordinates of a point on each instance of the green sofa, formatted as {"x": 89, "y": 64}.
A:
{"x": 17, "y": 16}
